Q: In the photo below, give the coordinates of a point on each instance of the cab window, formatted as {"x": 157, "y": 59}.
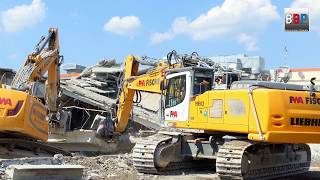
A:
{"x": 176, "y": 91}
{"x": 201, "y": 85}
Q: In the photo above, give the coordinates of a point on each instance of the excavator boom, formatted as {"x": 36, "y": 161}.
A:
{"x": 44, "y": 59}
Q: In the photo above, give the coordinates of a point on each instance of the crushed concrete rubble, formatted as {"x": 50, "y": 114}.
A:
{"x": 100, "y": 167}
{"x": 119, "y": 166}
{"x": 96, "y": 88}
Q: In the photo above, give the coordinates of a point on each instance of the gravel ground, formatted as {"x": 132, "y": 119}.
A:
{"x": 120, "y": 167}
{"x": 105, "y": 166}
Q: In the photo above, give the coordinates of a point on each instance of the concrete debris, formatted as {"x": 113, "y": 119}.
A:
{"x": 73, "y": 68}
{"x": 97, "y": 86}
{"x": 38, "y": 172}
{"x": 91, "y": 94}
{"x": 119, "y": 166}
{"x": 87, "y": 142}
{"x": 100, "y": 167}
{"x": 106, "y": 166}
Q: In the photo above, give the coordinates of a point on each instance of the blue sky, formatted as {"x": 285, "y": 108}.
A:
{"x": 92, "y": 30}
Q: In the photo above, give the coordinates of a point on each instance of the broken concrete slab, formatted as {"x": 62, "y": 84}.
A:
{"x": 48, "y": 172}
{"x": 78, "y": 92}
{"x": 87, "y": 141}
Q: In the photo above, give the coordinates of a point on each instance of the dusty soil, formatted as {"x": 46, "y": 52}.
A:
{"x": 120, "y": 167}
{"x": 105, "y": 166}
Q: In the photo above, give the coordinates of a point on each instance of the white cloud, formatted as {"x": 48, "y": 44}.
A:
{"x": 314, "y": 11}
{"x": 229, "y": 20}
{"x": 249, "y": 41}
{"x": 23, "y": 16}
{"x": 160, "y": 37}
{"x": 127, "y": 25}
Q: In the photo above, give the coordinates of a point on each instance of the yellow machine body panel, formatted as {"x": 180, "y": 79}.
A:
{"x": 22, "y": 114}
{"x": 284, "y": 116}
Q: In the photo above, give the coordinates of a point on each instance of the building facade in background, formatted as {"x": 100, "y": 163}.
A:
{"x": 252, "y": 66}
{"x": 300, "y": 76}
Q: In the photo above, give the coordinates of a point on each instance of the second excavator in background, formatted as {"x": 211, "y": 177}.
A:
{"x": 30, "y": 103}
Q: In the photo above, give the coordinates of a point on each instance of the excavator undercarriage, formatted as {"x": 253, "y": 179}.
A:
{"x": 233, "y": 157}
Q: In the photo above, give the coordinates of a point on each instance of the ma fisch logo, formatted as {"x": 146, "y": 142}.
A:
{"x": 149, "y": 82}
{"x": 299, "y": 121}
{"x": 5, "y": 101}
{"x": 301, "y": 100}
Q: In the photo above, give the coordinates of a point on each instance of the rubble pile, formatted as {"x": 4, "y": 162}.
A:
{"x": 100, "y": 167}
{"x": 96, "y": 85}
{"x": 93, "y": 92}
{"x": 105, "y": 166}
{"x": 101, "y": 78}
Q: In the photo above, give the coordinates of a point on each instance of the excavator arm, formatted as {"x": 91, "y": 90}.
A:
{"x": 149, "y": 81}
{"x": 44, "y": 59}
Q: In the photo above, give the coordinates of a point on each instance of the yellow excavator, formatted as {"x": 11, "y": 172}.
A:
{"x": 247, "y": 130}
{"x": 32, "y": 99}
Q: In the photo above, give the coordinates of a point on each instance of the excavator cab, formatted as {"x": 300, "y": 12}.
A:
{"x": 184, "y": 85}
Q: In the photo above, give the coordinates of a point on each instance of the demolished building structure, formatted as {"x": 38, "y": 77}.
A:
{"x": 90, "y": 95}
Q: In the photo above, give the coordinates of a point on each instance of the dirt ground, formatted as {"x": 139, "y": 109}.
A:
{"x": 120, "y": 167}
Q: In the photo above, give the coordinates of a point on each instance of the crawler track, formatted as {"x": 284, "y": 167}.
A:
{"x": 17, "y": 148}
{"x": 145, "y": 154}
{"x": 238, "y": 160}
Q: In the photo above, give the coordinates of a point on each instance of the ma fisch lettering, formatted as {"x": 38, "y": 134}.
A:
{"x": 306, "y": 100}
